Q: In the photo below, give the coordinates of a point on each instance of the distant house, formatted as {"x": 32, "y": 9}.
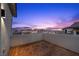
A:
{"x": 22, "y": 30}
{"x": 26, "y": 30}
{"x": 73, "y": 29}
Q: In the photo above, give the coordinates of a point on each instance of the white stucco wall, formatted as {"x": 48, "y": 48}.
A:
{"x": 0, "y": 28}
{"x": 6, "y": 30}
{"x": 25, "y": 39}
{"x": 70, "y": 42}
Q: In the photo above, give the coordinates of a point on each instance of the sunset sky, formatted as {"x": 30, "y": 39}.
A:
{"x": 43, "y": 15}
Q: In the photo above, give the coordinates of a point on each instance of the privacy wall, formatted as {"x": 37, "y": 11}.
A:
{"x": 70, "y": 42}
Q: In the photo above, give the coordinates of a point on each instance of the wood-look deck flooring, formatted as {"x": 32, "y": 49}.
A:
{"x": 41, "y": 48}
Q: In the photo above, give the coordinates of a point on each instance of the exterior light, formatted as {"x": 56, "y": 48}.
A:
{"x": 2, "y": 13}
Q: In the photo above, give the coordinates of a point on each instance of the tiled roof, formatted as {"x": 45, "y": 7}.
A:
{"x": 76, "y": 24}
